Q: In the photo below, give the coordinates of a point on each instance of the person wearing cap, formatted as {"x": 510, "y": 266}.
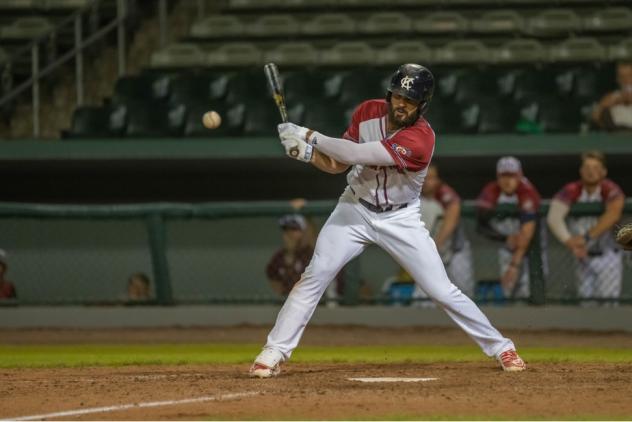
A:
{"x": 598, "y": 259}
{"x": 515, "y": 233}
{"x": 7, "y": 289}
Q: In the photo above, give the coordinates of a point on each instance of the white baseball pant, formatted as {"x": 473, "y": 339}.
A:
{"x": 401, "y": 233}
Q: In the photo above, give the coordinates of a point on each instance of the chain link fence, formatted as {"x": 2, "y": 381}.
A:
{"x": 218, "y": 253}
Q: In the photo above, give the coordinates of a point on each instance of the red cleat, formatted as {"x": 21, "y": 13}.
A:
{"x": 511, "y": 362}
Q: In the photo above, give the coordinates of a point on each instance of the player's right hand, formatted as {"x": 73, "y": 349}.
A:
{"x": 297, "y": 148}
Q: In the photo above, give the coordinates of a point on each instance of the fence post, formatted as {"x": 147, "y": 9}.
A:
{"x": 536, "y": 271}
{"x": 157, "y": 235}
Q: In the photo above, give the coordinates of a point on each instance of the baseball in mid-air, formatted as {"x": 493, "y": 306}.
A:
{"x": 211, "y": 120}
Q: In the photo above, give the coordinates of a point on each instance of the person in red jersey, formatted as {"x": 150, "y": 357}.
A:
{"x": 599, "y": 265}
{"x": 513, "y": 232}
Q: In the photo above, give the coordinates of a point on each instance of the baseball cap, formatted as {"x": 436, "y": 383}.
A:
{"x": 508, "y": 164}
{"x": 292, "y": 221}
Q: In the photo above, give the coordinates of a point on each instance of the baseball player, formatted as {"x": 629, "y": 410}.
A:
{"x": 515, "y": 233}
{"x": 599, "y": 263}
{"x": 390, "y": 145}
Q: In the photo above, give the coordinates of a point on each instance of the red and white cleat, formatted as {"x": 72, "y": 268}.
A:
{"x": 267, "y": 364}
{"x": 511, "y": 362}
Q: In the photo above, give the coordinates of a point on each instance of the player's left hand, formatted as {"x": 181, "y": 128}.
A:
{"x": 286, "y": 129}
{"x": 297, "y": 148}
{"x": 509, "y": 277}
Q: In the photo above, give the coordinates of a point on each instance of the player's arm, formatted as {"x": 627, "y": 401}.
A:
{"x": 343, "y": 151}
{"x": 327, "y": 164}
{"x": 451, "y": 217}
{"x": 609, "y": 218}
{"x": 525, "y": 235}
{"x": 555, "y": 219}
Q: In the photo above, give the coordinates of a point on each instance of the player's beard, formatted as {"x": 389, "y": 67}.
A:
{"x": 401, "y": 123}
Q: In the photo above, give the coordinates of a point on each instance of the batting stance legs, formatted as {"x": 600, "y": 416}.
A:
{"x": 347, "y": 232}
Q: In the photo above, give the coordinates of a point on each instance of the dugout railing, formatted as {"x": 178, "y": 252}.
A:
{"x": 217, "y": 253}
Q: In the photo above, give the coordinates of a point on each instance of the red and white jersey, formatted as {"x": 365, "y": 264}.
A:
{"x": 446, "y": 195}
{"x": 411, "y": 149}
{"x": 526, "y": 198}
{"x": 574, "y": 192}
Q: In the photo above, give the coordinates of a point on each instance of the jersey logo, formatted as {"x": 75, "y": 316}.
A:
{"x": 402, "y": 150}
{"x": 407, "y": 82}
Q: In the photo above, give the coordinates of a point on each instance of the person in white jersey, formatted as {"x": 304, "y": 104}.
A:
{"x": 390, "y": 145}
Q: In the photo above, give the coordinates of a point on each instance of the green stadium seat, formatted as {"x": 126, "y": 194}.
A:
{"x": 234, "y": 54}
{"x": 348, "y": 53}
{"x": 445, "y": 117}
{"x": 362, "y": 3}
{"x": 404, "y": 52}
{"x": 441, "y": 23}
{"x": 232, "y": 120}
{"x": 329, "y": 23}
{"x": 526, "y": 82}
{"x": 357, "y": 86}
{"x": 219, "y": 26}
{"x": 553, "y": 22}
{"x": 520, "y": 51}
{"x": 485, "y": 115}
{"x": 609, "y": 20}
{"x": 97, "y": 122}
{"x": 621, "y": 51}
{"x": 143, "y": 87}
{"x": 304, "y": 4}
{"x": 471, "y": 85}
{"x": 261, "y": 118}
{"x": 155, "y": 120}
{"x": 552, "y": 114}
{"x": 255, "y": 4}
{"x": 588, "y": 83}
{"x": 386, "y": 23}
{"x": 199, "y": 87}
{"x": 305, "y": 85}
{"x": 274, "y": 25}
{"x": 329, "y": 119}
{"x": 463, "y": 51}
{"x": 293, "y": 54}
{"x": 247, "y": 85}
{"x": 65, "y": 4}
{"x": 498, "y": 22}
{"x": 26, "y": 28}
{"x": 18, "y": 5}
{"x": 178, "y": 55}
{"x": 578, "y": 50}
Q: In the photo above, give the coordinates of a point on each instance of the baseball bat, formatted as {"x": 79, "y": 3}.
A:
{"x": 274, "y": 82}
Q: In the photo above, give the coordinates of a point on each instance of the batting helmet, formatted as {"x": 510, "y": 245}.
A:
{"x": 415, "y": 82}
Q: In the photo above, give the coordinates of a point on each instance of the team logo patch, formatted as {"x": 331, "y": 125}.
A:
{"x": 407, "y": 82}
{"x": 400, "y": 150}
{"x": 528, "y": 205}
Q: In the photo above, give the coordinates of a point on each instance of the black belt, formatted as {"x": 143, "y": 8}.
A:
{"x": 369, "y": 206}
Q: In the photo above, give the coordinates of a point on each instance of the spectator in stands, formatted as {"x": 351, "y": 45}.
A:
{"x": 599, "y": 265}
{"x": 138, "y": 288}
{"x": 515, "y": 232}
{"x": 614, "y": 111}
{"x": 7, "y": 289}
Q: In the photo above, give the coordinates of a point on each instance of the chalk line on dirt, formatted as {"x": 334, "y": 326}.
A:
{"x": 116, "y": 408}
{"x": 392, "y": 379}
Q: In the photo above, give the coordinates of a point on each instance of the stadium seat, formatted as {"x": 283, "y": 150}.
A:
{"x": 441, "y": 23}
{"x": 553, "y": 22}
{"x": 551, "y": 114}
{"x": 18, "y": 5}
{"x": 348, "y": 53}
{"x": 219, "y": 26}
{"x": 247, "y": 85}
{"x": 232, "y": 120}
{"x": 609, "y": 20}
{"x": 234, "y": 54}
{"x": 97, "y": 122}
{"x": 463, "y": 51}
{"x": 361, "y": 3}
{"x": 178, "y": 55}
{"x": 64, "y": 4}
{"x": 273, "y": 25}
{"x": 621, "y": 51}
{"x": 255, "y": 4}
{"x": 26, "y": 28}
{"x": 329, "y": 23}
{"x": 357, "y": 86}
{"x": 199, "y": 87}
{"x": 498, "y": 22}
{"x": 472, "y": 85}
{"x": 293, "y": 54}
{"x": 141, "y": 88}
{"x": 327, "y": 118}
{"x": 489, "y": 115}
{"x": 525, "y": 82}
{"x": 151, "y": 119}
{"x": 588, "y": 83}
{"x": 305, "y": 85}
{"x": 304, "y": 4}
{"x": 261, "y": 117}
{"x": 520, "y": 51}
{"x": 445, "y": 118}
{"x": 578, "y": 50}
{"x": 404, "y": 52}
{"x": 386, "y": 23}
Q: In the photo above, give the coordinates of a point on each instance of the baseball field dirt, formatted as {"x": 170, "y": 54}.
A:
{"x": 571, "y": 375}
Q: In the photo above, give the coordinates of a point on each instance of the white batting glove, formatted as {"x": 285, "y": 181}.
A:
{"x": 297, "y": 148}
{"x": 292, "y": 129}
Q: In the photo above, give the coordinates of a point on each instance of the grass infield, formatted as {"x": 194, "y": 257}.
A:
{"x": 49, "y": 356}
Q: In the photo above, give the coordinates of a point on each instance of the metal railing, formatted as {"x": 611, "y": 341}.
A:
{"x": 75, "y": 24}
